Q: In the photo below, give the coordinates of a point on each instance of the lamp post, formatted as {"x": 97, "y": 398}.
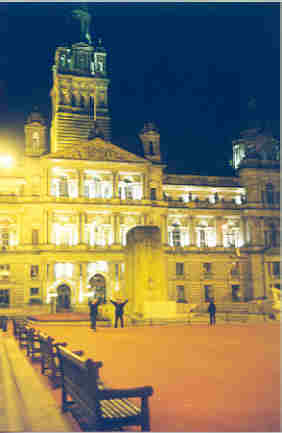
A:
{"x": 6, "y": 161}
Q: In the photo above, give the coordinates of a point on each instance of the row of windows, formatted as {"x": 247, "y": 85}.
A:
{"x": 269, "y": 195}
{"x": 209, "y": 293}
{"x": 207, "y": 268}
{"x": 66, "y": 269}
{"x": 96, "y": 188}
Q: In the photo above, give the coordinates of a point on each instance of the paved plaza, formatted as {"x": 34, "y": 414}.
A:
{"x": 225, "y": 378}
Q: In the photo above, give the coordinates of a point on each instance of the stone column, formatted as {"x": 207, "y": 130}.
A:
{"x": 243, "y": 229}
{"x": 46, "y": 181}
{"x": 144, "y": 192}
{"x": 115, "y": 184}
{"x": 49, "y": 227}
{"x": 80, "y": 183}
{"x": 164, "y": 229}
{"x": 116, "y": 228}
{"x": 82, "y": 228}
{"x": 192, "y": 232}
{"x": 249, "y": 235}
{"x": 219, "y": 234}
{"x": 258, "y": 277}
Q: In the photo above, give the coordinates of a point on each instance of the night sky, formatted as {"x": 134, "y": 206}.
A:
{"x": 190, "y": 67}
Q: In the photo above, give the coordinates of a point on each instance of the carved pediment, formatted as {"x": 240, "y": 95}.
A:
{"x": 100, "y": 150}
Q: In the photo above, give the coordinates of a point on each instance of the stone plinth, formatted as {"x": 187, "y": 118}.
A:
{"x": 145, "y": 268}
{"x": 156, "y": 309}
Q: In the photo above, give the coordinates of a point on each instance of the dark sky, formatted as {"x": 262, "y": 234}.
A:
{"x": 189, "y": 67}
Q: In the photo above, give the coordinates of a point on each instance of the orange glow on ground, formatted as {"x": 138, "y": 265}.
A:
{"x": 218, "y": 379}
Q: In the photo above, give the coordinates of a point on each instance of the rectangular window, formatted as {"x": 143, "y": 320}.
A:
{"x": 34, "y": 291}
{"x": 208, "y": 293}
{"x": 35, "y": 236}
{"x": 117, "y": 271}
{"x": 203, "y": 238}
{"x": 276, "y": 268}
{"x": 236, "y": 293}
{"x": 4, "y": 297}
{"x": 235, "y": 270}
{"x": 180, "y": 294}
{"x": 4, "y": 238}
{"x": 34, "y": 272}
{"x": 207, "y": 267}
{"x": 4, "y": 272}
{"x": 179, "y": 268}
{"x": 153, "y": 194}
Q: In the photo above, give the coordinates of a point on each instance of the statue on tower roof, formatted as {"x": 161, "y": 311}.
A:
{"x": 84, "y": 17}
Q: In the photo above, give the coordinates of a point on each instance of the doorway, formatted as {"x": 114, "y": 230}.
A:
{"x": 64, "y": 297}
{"x": 98, "y": 285}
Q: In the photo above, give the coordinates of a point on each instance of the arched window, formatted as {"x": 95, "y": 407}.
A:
{"x": 35, "y": 141}
{"x": 91, "y": 107}
{"x": 176, "y": 236}
{"x": 63, "y": 187}
{"x": 151, "y": 150}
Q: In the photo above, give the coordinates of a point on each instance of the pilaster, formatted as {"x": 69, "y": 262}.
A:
{"x": 164, "y": 230}
{"x": 243, "y": 229}
{"x": 219, "y": 236}
{"x": 192, "y": 233}
{"x": 116, "y": 228}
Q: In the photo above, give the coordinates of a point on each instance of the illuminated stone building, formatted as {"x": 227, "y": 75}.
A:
{"x": 65, "y": 211}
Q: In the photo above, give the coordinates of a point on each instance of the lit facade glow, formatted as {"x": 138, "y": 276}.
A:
{"x": 66, "y": 214}
{"x": 6, "y": 161}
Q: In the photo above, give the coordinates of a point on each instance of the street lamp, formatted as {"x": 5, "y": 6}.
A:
{"x": 6, "y": 161}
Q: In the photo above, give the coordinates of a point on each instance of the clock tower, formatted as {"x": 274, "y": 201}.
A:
{"x": 80, "y": 91}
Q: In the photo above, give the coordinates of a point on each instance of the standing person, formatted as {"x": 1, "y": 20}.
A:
{"x": 119, "y": 306}
{"x": 93, "y": 305}
{"x": 212, "y": 311}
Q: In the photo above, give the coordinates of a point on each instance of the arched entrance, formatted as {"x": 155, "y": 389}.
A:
{"x": 98, "y": 285}
{"x": 64, "y": 297}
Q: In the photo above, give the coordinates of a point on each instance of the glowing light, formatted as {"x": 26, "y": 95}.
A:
{"x": 6, "y": 161}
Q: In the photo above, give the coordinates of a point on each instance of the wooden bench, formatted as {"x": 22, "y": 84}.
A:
{"x": 33, "y": 345}
{"x": 22, "y": 336}
{"x": 16, "y": 325}
{"x": 94, "y": 406}
{"x": 49, "y": 358}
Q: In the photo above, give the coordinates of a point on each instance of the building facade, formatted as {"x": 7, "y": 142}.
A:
{"x": 65, "y": 211}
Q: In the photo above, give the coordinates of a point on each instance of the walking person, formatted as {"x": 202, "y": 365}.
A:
{"x": 93, "y": 305}
{"x": 119, "y": 306}
{"x": 212, "y": 311}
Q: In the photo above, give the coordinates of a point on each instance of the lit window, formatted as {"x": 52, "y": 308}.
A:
{"x": 180, "y": 294}
{"x": 35, "y": 141}
{"x": 179, "y": 268}
{"x": 100, "y": 234}
{"x": 269, "y": 193}
{"x": 34, "y": 291}
{"x": 63, "y": 270}
{"x": 209, "y": 293}
{"x": 4, "y": 297}
{"x": 4, "y": 238}
{"x": 207, "y": 267}
{"x": 35, "y": 236}
{"x": 34, "y": 272}
{"x": 65, "y": 234}
{"x": 276, "y": 268}
{"x": 4, "y": 272}
{"x": 176, "y": 236}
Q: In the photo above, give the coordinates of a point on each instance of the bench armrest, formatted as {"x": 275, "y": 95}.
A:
{"x": 109, "y": 393}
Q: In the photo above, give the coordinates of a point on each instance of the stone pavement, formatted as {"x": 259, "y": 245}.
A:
{"x": 220, "y": 379}
{"x": 26, "y": 405}
{"x": 225, "y": 378}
